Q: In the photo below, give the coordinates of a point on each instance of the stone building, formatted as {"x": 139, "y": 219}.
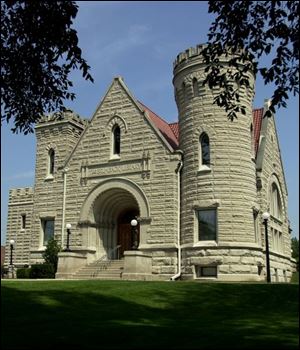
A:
{"x": 197, "y": 189}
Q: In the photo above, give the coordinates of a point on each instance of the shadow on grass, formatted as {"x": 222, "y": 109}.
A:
{"x": 139, "y": 315}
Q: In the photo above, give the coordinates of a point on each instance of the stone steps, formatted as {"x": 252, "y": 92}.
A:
{"x": 108, "y": 270}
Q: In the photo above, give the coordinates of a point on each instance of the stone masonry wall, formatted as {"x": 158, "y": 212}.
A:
{"x": 20, "y": 203}
{"x": 138, "y": 138}
{"x": 61, "y": 135}
{"x": 272, "y": 168}
{"x": 229, "y": 184}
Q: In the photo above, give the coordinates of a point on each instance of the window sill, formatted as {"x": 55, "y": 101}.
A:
{"x": 49, "y": 178}
{"x": 115, "y": 157}
{"x": 42, "y": 249}
{"x": 278, "y": 221}
{"x": 204, "y": 169}
{"x": 206, "y": 244}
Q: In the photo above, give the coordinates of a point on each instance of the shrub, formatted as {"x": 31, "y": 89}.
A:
{"x": 4, "y": 271}
{"x": 42, "y": 271}
{"x": 51, "y": 253}
{"x": 23, "y": 273}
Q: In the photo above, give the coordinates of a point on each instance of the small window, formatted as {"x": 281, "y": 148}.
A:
{"x": 206, "y": 271}
{"x": 256, "y": 226}
{"x": 51, "y": 156}
{"x": 195, "y": 87}
{"x": 184, "y": 91}
{"x": 252, "y": 141}
{"x": 284, "y": 276}
{"x": 48, "y": 230}
{"x": 116, "y": 140}
{"x": 23, "y": 221}
{"x": 207, "y": 223}
{"x": 204, "y": 150}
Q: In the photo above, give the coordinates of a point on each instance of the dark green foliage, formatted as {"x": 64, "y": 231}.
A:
{"x": 295, "y": 277}
{"x": 51, "y": 253}
{"x": 42, "y": 271}
{"x": 295, "y": 248}
{"x": 23, "y": 273}
{"x": 252, "y": 30}
{"x": 149, "y": 315}
{"x": 39, "y": 48}
{"x": 4, "y": 271}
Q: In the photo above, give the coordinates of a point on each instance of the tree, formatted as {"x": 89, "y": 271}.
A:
{"x": 51, "y": 253}
{"x": 39, "y": 49}
{"x": 295, "y": 248}
{"x": 246, "y": 32}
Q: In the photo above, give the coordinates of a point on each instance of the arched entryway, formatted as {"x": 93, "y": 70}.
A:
{"x": 106, "y": 216}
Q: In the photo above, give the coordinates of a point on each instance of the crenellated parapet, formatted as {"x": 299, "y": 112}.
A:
{"x": 67, "y": 116}
{"x": 20, "y": 194}
{"x": 191, "y": 53}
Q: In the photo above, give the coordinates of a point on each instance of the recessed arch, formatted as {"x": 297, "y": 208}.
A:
{"x": 121, "y": 184}
{"x": 101, "y": 212}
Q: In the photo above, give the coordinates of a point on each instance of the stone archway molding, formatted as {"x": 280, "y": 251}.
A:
{"x": 86, "y": 213}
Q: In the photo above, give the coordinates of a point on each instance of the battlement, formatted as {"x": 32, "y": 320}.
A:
{"x": 67, "y": 116}
{"x": 187, "y": 54}
{"x": 18, "y": 193}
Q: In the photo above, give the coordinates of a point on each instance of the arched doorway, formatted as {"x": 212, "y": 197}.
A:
{"x": 124, "y": 232}
{"x": 106, "y": 215}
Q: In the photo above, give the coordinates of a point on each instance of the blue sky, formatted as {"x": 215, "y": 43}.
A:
{"x": 139, "y": 41}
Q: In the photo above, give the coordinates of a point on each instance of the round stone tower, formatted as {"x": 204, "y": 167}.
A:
{"x": 219, "y": 197}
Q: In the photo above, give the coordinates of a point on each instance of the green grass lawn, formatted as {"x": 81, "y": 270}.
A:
{"x": 148, "y": 315}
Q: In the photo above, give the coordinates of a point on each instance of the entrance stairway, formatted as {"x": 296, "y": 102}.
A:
{"x": 102, "y": 270}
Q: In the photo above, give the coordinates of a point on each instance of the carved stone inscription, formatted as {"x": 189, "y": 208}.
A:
{"x": 102, "y": 170}
{"x": 91, "y": 171}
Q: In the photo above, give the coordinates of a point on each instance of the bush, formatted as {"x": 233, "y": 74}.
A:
{"x": 295, "y": 277}
{"x": 51, "y": 253}
{"x": 23, "y": 273}
{"x": 4, "y": 271}
{"x": 42, "y": 271}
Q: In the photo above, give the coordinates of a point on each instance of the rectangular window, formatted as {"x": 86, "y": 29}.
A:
{"x": 206, "y": 271}
{"x": 207, "y": 223}
{"x": 23, "y": 221}
{"x": 48, "y": 230}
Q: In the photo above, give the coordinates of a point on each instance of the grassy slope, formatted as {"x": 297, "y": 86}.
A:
{"x": 148, "y": 315}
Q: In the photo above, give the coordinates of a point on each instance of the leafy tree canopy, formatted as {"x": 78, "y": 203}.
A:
{"x": 252, "y": 30}
{"x": 39, "y": 49}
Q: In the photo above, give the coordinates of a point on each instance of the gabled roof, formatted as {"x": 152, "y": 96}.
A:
{"x": 257, "y": 115}
{"x": 165, "y": 128}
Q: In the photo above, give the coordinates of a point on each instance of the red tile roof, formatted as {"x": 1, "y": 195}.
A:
{"x": 171, "y": 131}
{"x": 175, "y": 129}
{"x": 257, "y": 115}
{"x": 165, "y": 129}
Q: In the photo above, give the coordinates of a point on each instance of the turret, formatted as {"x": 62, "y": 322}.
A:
{"x": 218, "y": 177}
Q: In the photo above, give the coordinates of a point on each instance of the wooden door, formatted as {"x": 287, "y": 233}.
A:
{"x": 124, "y": 237}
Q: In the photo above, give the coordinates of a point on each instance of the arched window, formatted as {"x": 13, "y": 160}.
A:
{"x": 116, "y": 140}
{"x": 195, "y": 87}
{"x": 204, "y": 150}
{"x": 276, "y": 205}
{"x": 51, "y": 161}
